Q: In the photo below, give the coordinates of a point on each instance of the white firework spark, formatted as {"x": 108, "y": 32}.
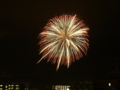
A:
{"x": 64, "y": 40}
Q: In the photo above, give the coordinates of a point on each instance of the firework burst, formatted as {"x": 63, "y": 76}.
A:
{"x": 64, "y": 40}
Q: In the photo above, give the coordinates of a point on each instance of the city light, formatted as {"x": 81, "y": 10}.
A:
{"x": 109, "y": 84}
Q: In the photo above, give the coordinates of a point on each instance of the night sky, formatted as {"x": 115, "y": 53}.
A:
{"x": 22, "y": 21}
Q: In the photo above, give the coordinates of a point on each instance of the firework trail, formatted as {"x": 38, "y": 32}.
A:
{"x": 64, "y": 40}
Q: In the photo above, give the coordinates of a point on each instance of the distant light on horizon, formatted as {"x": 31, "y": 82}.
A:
{"x": 109, "y": 84}
{"x": 61, "y": 87}
{"x": 68, "y": 89}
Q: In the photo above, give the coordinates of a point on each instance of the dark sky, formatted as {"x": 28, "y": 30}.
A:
{"x": 22, "y": 21}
